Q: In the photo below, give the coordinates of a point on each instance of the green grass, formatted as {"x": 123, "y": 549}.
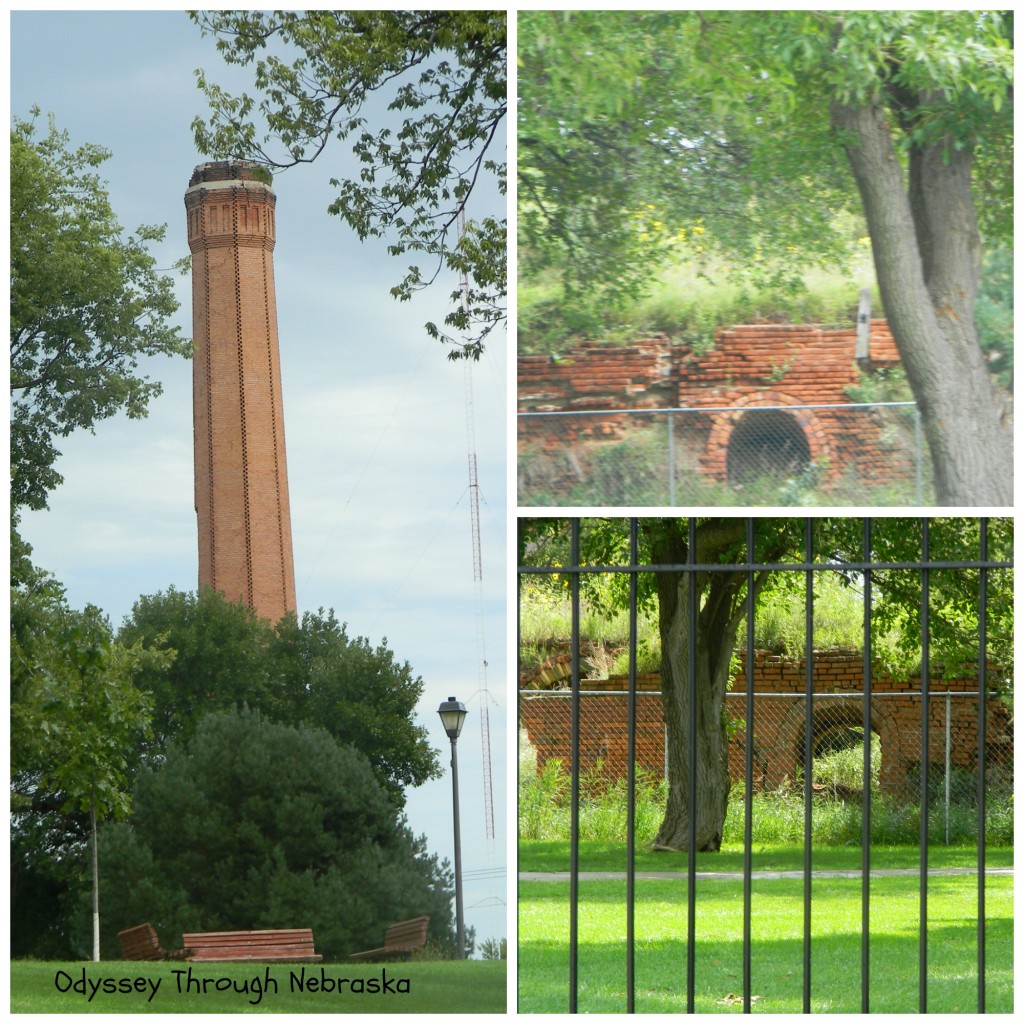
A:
{"x": 777, "y": 946}
{"x": 608, "y": 856}
{"x": 473, "y": 986}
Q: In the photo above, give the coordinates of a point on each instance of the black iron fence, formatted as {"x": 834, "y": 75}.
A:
{"x": 695, "y": 598}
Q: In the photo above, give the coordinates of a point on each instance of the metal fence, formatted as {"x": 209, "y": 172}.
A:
{"x": 851, "y": 453}
{"x": 688, "y": 570}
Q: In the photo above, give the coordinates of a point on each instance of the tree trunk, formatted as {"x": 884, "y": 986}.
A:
{"x": 95, "y": 883}
{"x": 720, "y": 609}
{"x": 924, "y": 238}
{"x": 715, "y": 641}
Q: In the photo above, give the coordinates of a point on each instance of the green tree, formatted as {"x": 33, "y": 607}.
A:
{"x": 914, "y": 109}
{"x": 717, "y": 602}
{"x": 620, "y": 169}
{"x": 76, "y": 717}
{"x": 254, "y": 824}
{"x": 294, "y": 672}
{"x": 86, "y": 304}
{"x": 352, "y": 75}
{"x": 494, "y": 949}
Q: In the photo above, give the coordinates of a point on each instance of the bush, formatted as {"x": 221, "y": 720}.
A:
{"x": 844, "y": 769}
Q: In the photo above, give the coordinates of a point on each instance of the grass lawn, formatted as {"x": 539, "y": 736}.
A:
{"x": 536, "y": 855}
{"x": 777, "y": 945}
{"x": 473, "y": 986}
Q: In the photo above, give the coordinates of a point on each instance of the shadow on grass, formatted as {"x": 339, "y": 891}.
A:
{"x": 553, "y": 855}
{"x": 777, "y": 948}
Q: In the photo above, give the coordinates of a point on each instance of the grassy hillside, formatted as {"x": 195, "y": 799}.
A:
{"x": 686, "y": 301}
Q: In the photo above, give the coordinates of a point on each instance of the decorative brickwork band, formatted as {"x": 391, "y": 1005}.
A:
{"x": 241, "y": 478}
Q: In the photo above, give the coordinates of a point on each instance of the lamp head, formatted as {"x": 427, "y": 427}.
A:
{"x": 453, "y": 714}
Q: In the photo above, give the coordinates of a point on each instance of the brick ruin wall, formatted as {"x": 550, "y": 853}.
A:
{"x": 750, "y": 366}
{"x": 778, "y": 722}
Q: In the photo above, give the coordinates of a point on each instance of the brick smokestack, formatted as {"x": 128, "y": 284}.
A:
{"x": 241, "y": 479}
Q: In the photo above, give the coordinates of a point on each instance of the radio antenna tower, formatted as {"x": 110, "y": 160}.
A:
{"x": 478, "y": 574}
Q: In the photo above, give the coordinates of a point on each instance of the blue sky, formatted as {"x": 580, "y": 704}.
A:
{"x": 376, "y": 416}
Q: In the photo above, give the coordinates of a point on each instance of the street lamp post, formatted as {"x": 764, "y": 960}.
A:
{"x": 453, "y": 714}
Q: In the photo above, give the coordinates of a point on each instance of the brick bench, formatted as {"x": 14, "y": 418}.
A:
{"x": 141, "y": 943}
{"x": 294, "y": 945}
{"x": 400, "y": 941}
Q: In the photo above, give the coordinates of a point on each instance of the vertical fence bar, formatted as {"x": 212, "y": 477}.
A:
{"x": 671, "y": 462}
{"x": 691, "y": 870}
{"x": 519, "y": 675}
{"x": 925, "y": 710}
{"x": 574, "y": 807}
{"x": 631, "y": 781}
{"x": 982, "y": 738}
{"x": 748, "y": 771}
{"x": 808, "y": 749}
{"x": 865, "y": 838}
{"x": 947, "y": 765}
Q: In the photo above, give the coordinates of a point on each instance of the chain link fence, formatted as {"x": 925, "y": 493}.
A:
{"x": 864, "y": 453}
{"x": 779, "y": 736}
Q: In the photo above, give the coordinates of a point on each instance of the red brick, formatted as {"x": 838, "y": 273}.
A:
{"x": 241, "y": 477}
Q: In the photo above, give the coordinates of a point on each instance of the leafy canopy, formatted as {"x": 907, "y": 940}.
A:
{"x": 307, "y": 671}
{"x": 626, "y": 163}
{"x": 954, "y": 594}
{"x": 420, "y": 97}
{"x": 77, "y": 717}
{"x": 657, "y": 134}
{"x": 86, "y": 304}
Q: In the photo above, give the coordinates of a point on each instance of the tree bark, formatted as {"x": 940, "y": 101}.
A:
{"x": 926, "y": 248}
{"x": 717, "y": 596}
{"x": 721, "y": 609}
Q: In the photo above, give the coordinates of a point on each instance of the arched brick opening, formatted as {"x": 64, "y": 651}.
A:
{"x": 832, "y": 720}
{"x": 766, "y": 443}
{"x": 729, "y": 429}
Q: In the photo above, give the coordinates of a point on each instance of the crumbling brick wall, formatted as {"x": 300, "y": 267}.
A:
{"x": 750, "y": 367}
{"x": 779, "y": 721}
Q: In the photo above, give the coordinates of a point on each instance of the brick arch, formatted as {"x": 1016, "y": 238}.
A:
{"x": 716, "y": 454}
{"x": 830, "y": 713}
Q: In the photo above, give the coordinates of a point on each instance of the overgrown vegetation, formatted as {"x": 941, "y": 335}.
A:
{"x": 635, "y": 472}
{"x": 544, "y": 626}
{"x": 778, "y": 817}
{"x": 688, "y": 302}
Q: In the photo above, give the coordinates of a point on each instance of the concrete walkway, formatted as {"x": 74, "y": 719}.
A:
{"x": 614, "y": 876}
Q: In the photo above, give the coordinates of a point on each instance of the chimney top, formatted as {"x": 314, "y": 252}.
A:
{"x": 229, "y": 170}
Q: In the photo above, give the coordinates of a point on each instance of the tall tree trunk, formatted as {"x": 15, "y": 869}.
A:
{"x": 717, "y": 596}
{"x": 926, "y": 249}
{"x": 95, "y": 882}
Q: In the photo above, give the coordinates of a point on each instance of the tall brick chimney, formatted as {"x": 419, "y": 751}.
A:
{"x": 241, "y": 480}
